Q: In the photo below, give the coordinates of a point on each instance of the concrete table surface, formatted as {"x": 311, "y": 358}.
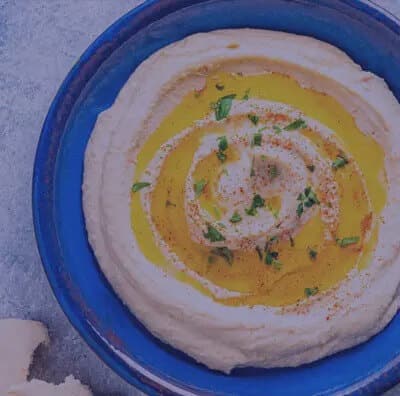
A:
{"x": 39, "y": 42}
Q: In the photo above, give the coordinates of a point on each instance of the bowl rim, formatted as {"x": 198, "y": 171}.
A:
{"x": 136, "y": 374}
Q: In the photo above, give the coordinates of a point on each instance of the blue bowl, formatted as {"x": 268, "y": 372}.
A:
{"x": 369, "y": 35}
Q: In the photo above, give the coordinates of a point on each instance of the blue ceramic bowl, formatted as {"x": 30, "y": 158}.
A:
{"x": 369, "y": 35}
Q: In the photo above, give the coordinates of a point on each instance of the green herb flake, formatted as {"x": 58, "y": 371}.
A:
{"x": 222, "y": 146}
{"x": 273, "y": 171}
{"x": 221, "y": 156}
{"x": 225, "y": 253}
{"x": 312, "y": 254}
{"x": 258, "y": 201}
{"x": 213, "y": 234}
{"x": 277, "y": 129}
{"x": 300, "y": 209}
{"x": 219, "y": 86}
{"x": 311, "y": 199}
{"x": 199, "y": 187}
{"x": 307, "y": 199}
{"x": 347, "y": 241}
{"x": 271, "y": 258}
{"x": 262, "y": 129}
{"x": 223, "y": 106}
{"x": 257, "y": 139}
{"x": 297, "y": 124}
{"x": 139, "y": 185}
{"x": 273, "y": 239}
{"x": 253, "y": 118}
{"x": 222, "y": 143}
{"x": 251, "y": 211}
{"x": 311, "y": 168}
{"x": 236, "y": 218}
{"x": 311, "y": 291}
{"x": 246, "y": 94}
{"x": 340, "y": 161}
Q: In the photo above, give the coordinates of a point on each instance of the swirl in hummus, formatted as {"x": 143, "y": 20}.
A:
{"x": 244, "y": 186}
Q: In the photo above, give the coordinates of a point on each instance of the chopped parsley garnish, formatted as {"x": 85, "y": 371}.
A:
{"x": 246, "y": 94}
{"x": 273, "y": 171}
{"x": 223, "y": 252}
{"x": 312, "y": 253}
{"x": 311, "y": 168}
{"x": 199, "y": 187}
{"x": 297, "y": 124}
{"x": 344, "y": 242}
{"x": 257, "y": 139}
{"x": 223, "y": 106}
{"x": 271, "y": 256}
{"x": 235, "y": 218}
{"x": 311, "y": 291}
{"x": 221, "y": 156}
{"x": 139, "y": 185}
{"x": 262, "y": 129}
{"x": 222, "y": 147}
{"x": 213, "y": 234}
{"x": 340, "y": 161}
{"x": 253, "y": 118}
{"x": 273, "y": 239}
{"x": 258, "y": 202}
{"x": 219, "y": 86}
{"x": 307, "y": 199}
{"x": 277, "y": 129}
{"x": 222, "y": 143}
{"x": 251, "y": 211}
{"x": 300, "y": 209}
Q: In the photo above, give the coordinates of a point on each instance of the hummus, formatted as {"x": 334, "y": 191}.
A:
{"x": 242, "y": 198}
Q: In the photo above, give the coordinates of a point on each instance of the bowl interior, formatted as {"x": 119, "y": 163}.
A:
{"x": 368, "y": 36}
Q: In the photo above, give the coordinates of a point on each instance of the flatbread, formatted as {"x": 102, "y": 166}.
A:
{"x": 71, "y": 387}
{"x": 18, "y": 341}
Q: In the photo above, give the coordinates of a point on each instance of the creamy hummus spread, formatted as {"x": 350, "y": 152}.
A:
{"x": 242, "y": 197}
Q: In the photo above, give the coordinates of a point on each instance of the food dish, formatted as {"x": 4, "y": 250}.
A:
{"x": 239, "y": 380}
{"x": 233, "y": 197}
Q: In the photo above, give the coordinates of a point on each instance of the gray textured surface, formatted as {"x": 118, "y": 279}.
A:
{"x": 39, "y": 42}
